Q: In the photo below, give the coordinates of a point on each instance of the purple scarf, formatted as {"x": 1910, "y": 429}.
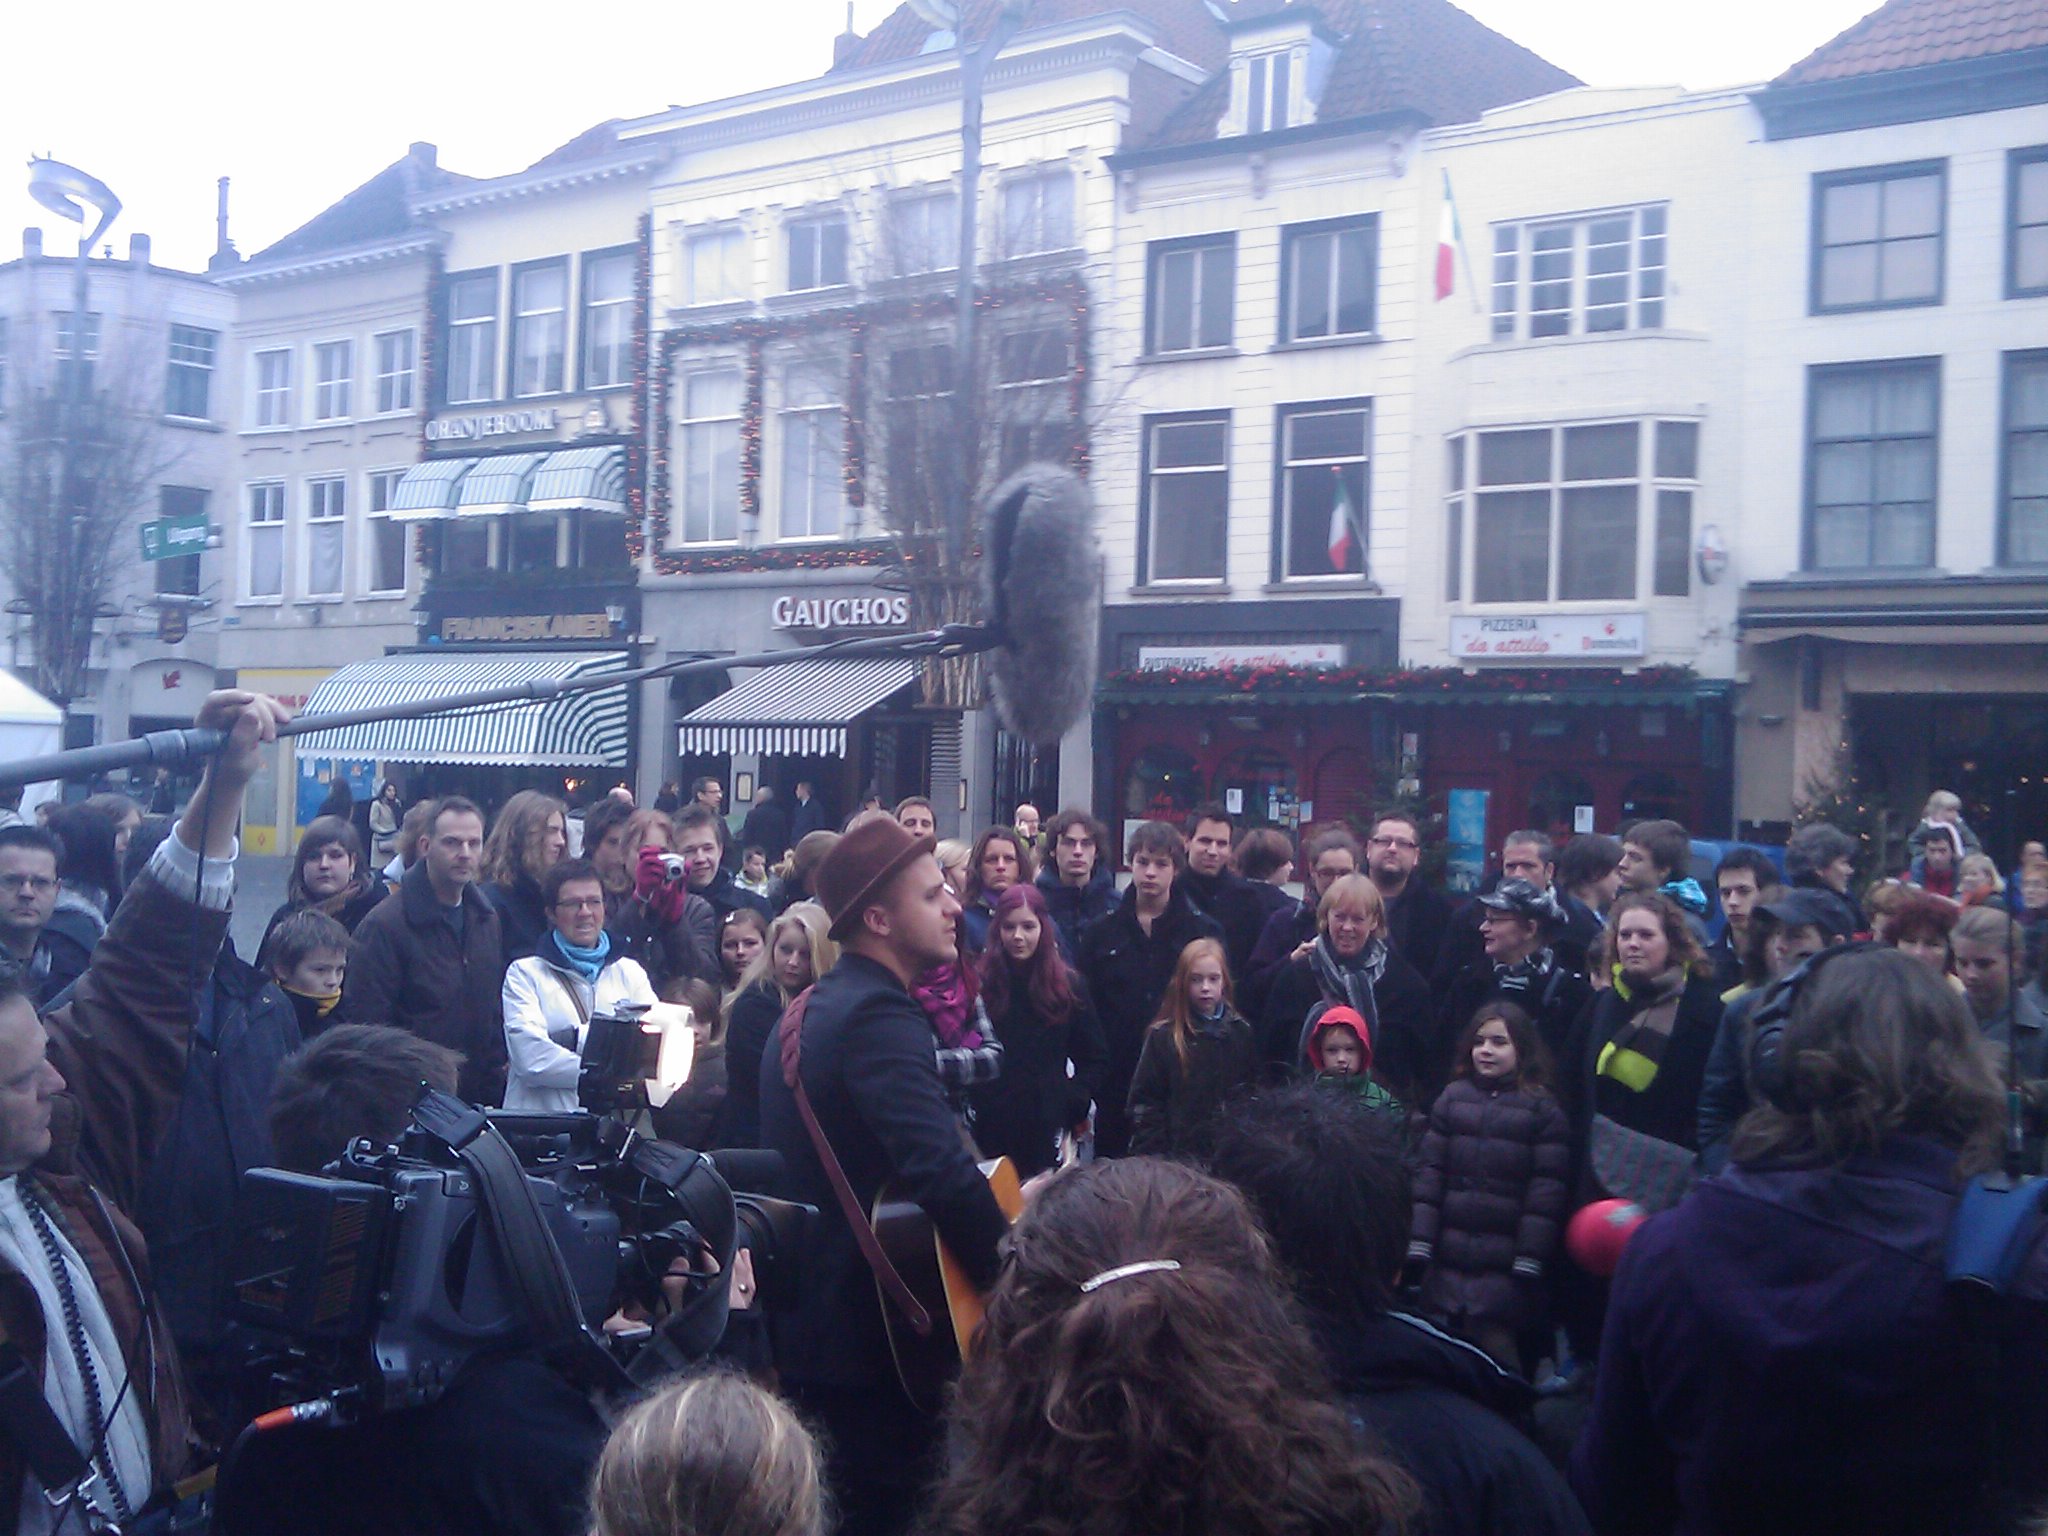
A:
{"x": 948, "y": 1001}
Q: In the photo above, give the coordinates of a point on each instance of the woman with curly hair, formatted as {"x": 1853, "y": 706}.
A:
{"x": 1142, "y": 1371}
{"x": 527, "y": 840}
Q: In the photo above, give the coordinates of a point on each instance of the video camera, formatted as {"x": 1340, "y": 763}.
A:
{"x": 482, "y": 1231}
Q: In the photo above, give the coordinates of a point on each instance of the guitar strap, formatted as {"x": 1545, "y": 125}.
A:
{"x": 791, "y": 1032}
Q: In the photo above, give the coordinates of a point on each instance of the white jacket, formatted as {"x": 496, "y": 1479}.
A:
{"x": 540, "y": 1012}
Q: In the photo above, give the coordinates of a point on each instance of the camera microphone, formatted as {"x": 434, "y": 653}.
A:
{"x": 1042, "y": 591}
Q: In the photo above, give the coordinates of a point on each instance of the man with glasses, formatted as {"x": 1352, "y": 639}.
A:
{"x": 48, "y": 959}
{"x": 1417, "y": 917}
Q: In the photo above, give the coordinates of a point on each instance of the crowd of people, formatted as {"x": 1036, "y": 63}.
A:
{"x": 1308, "y": 1174}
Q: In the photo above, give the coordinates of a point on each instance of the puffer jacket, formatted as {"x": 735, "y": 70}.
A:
{"x": 1489, "y": 1196}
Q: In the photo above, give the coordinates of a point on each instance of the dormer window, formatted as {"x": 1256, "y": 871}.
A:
{"x": 1278, "y": 64}
{"x": 1267, "y": 82}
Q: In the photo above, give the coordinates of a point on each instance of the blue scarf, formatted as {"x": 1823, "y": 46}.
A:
{"x": 573, "y": 957}
{"x": 1687, "y": 894}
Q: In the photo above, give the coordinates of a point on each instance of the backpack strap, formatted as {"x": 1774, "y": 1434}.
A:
{"x": 790, "y": 1033}
{"x": 1995, "y": 1227}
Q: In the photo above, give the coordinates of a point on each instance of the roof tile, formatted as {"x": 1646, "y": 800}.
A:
{"x": 1908, "y": 34}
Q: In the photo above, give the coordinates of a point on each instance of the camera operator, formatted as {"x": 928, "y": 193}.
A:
{"x": 98, "y": 1093}
{"x": 511, "y": 1445}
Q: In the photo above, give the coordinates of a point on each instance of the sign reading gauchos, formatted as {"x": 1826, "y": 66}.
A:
{"x": 881, "y": 610}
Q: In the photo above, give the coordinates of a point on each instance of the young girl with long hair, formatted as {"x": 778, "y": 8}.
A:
{"x": 1491, "y": 1183}
{"x": 1041, "y": 1011}
{"x": 1141, "y": 1370}
{"x": 799, "y": 950}
{"x": 1198, "y": 1053}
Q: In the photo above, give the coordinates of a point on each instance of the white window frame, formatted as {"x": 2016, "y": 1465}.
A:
{"x": 1269, "y": 91}
{"x": 537, "y": 320}
{"x": 1883, "y": 443}
{"x": 1031, "y": 403}
{"x": 1028, "y": 230}
{"x": 1289, "y": 415}
{"x": 334, "y": 372}
{"x": 95, "y": 334}
{"x": 326, "y": 512}
{"x": 376, "y": 520}
{"x": 486, "y": 327}
{"x": 924, "y": 231}
{"x": 606, "y": 314}
{"x": 811, "y": 417}
{"x": 1294, "y": 239}
{"x": 397, "y": 376}
{"x": 734, "y": 245}
{"x": 697, "y": 435}
{"x": 1573, "y": 299}
{"x": 271, "y": 401}
{"x": 187, "y": 356}
{"x": 1201, "y": 251}
{"x": 270, "y": 524}
{"x": 1154, "y": 472}
{"x": 814, "y": 227}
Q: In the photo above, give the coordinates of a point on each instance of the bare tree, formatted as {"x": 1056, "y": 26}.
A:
{"x": 78, "y": 469}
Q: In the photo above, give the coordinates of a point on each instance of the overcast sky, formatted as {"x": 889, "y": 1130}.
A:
{"x": 299, "y": 104}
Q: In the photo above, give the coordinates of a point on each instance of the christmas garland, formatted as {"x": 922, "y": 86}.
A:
{"x": 636, "y": 445}
{"x": 777, "y": 557}
{"x": 1406, "y": 680}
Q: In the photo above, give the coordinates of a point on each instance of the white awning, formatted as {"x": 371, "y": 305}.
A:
{"x": 580, "y": 480}
{"x": 497, "y": 486}
{"x": 799, "y": 710}
{"x": 581, "y": 730}
{"x": 428, "y": 491}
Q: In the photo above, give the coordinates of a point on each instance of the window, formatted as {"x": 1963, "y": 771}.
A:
{"x": 264, "y": 553}
{"x": 1579, "y": 276}
{"x": 919, "y": 421}
{"x": 179, "y": 575}
{"x": 2026, "y": 251}
{"x": 540, "y": 329}
{"x": 817, "y": 253}
{"x": 924, "y": 233}
{"x": 387, "y": 536}
{"x": 1871, "y": 461}
{"x": 472, "y": 338}
{"x": 1266, "y": 79}
{"x": 715, "y": 267}
{"x": 608, "y": 320}
{"x": 333, "y": 375}
{"x": 532, "y": 541}
{"x": 1557, "y": 513}
{"x": 1324, "y": 452}
{"x": 1329, "y": 273}
{"x": 1190, "y": 294}
{"x": 274, "y": 388}
{"x": 188, "y": 378}
{"x": 1034, "y": 395}
{"x": 710, "y": 469}
{"x": 326, "y": 536}
{"x": 67, "y": 358}
{"x": 813, "y": 455}
{"x": 1877, "y": 237}
{"x": 466, "y": 545}
{"x": 1038, "y": 214}
{"x": 2025, "y": 525}
{"x": 1187, "y": 499}
{"x": 397, "y": 357}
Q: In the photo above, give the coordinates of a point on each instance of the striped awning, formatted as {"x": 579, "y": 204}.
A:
{"x": 427, "y": 491}
{"x": 497, "y": 486}
{"x": 581, "y": 730}
{"x": 801, "y": 710}
{"x": 580, "y": 480}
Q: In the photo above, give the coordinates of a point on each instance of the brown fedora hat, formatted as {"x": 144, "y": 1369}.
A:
{"x": 860, "y": 865}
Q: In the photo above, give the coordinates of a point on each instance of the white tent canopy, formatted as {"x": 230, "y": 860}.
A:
{"x": 30, "y": 726}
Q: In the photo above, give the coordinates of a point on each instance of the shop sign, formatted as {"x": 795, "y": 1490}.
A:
{"x": 1548, "y": 637}
{"x": 1216, "y": 658}
{"x": 166, "y": 538}
{"x": 883, "y": 610}
{"x": 465, "y": 429}
{"x": 515, "y": 628}
{"x": 290, "y": 686}
{"x": 169, "y": 687}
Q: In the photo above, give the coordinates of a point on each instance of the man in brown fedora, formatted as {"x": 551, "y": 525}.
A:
{"x": 864, "y": 1055}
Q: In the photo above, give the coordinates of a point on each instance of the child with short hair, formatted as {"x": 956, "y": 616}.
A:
{"x": 1340, "y": 1052}
{"x": 753, "y": 875}
{"x": 1490, "y": 1185}
{"x": 307, "y": 957}
{"x": 1196, "y": 1055}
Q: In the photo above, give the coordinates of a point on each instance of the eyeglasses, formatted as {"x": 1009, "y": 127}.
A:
{"x": 1394, "y": 842}
{"x": 42, "y": 885}
{"x": 580, "y": 904}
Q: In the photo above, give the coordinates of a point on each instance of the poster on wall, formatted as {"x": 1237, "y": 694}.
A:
{"x": 1465, "y": 837}
{"x": 317, "y": 776}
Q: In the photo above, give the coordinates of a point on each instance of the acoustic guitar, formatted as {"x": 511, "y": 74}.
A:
{"x": 927, "y": 1362}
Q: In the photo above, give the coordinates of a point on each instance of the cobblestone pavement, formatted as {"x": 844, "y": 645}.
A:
{"x": 259, "y": 889}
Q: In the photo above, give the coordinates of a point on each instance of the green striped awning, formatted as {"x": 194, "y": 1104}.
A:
{"x": 428, "y": 491}
{"x": 580, "y": 480}
{"x": 497, "y": 486}
{"x": 581, "y": 730}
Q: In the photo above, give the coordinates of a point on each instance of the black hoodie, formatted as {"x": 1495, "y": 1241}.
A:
{"x": 1437, "y": 1404}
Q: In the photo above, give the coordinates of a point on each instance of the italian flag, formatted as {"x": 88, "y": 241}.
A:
{"x": 1344, "y": 540}
{"x": 1449, "y": 241}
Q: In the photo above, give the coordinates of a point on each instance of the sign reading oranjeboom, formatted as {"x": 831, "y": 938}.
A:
{"x": 1549, "y": 637}
{"x": 450, "y": 429}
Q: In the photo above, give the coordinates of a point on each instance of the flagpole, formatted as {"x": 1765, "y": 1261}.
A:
{"x": 1458, "y": 238}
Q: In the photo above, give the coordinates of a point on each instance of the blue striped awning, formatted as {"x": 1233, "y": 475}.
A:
{"x": 582, "y": 730}
{"x": 497, "y": 486}
{"x": 427, "y": 491}
{"x": 802, "y": 709}
{"x": 580, "y": 480}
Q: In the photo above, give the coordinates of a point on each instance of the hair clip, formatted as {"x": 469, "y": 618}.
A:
{"x": 1125, "y": 1271}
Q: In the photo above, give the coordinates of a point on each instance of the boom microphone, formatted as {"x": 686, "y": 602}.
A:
{"x": 1042, "y": 584}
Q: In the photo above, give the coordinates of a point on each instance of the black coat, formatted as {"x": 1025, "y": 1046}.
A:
{"x": 1417, "y": 921}
{"x": 1669, "y": 1108}
{"x": 1490, "y": 1189}
{"x": 1555, "y": 1006}
{"x": 350, "y": 914}
{"x": 409, "y": 968}
{"x": 1243, "y": 908}
{"x": 750, "y": 1022}
{"x": 725, "y": 896}
{"x": 870, "y": 1072}
{"x": 63, "y": 951}
{"x": 1021, "y": 1114}
{"x": 1285, "y": 932}
{"x": 1074, "y": 907}
{"x": 766, "y": 828}
{"x": 1127, "y": 970}
{"x": 1173, "y": 1102}
{"x": 1441, "y": 1409}
{"x": 806, "y": 817}
{"x": 669, "y": 952}
{"x": 1402, "y": 1047}
{"x": 1464, "y": 945}
{"x": 522, "y": 915}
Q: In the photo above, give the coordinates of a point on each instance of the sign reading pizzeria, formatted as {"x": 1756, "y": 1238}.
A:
{"x": 1549, "y": 637}
{"x": 881, "y": 610}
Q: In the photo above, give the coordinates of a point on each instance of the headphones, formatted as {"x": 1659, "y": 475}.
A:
{"x": 1767, "y": 1071}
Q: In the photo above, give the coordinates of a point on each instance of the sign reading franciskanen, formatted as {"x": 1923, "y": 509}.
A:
{"x": 1549, "y": 637}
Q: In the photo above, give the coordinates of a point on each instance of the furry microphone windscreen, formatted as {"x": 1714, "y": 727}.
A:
{"x": 1042, "y": 583}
